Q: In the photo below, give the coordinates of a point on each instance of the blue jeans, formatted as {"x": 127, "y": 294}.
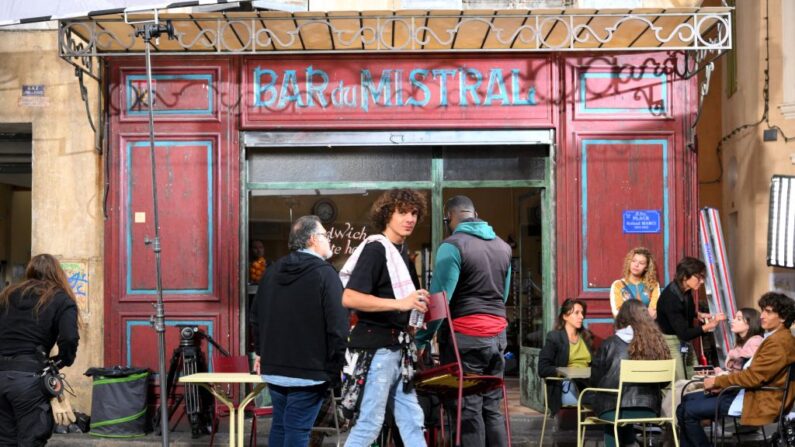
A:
{"x": 294, "y": 412}
{"x": 694, "y": 408}
{"x": 384, "y": 382}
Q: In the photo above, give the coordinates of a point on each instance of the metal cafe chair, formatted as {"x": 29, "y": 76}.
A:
{"x": 450, "y": 381}
{"x": 783, "y": 410}
{"x": 632, "y": 372}
{"x": 546, "y": 405}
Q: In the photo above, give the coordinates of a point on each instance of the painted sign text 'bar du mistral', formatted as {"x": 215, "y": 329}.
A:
{"x": 444, "y": 89}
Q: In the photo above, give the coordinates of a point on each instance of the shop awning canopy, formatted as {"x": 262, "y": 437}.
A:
{"x": 704, "y": 30}
{"x": 418, "y": 31}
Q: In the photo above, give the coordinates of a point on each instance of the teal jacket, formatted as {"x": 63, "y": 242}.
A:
{"x": 447, "y": 268}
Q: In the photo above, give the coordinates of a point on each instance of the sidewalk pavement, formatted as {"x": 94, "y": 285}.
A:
{"x": 525, "y": 431}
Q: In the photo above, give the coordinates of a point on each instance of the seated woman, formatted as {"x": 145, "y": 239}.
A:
{"x": 768, "y": 367}
{"x": 637, "y": 338}
{"x": 638, "y": 282}
{"x": 568, "y": 345}
{"x": 747, "y": 330}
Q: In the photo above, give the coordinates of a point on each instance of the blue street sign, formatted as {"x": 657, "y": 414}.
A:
{"x": 641, "y": 221}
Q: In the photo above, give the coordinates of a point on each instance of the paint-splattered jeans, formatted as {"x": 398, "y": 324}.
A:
{"x": 384, "y": 382}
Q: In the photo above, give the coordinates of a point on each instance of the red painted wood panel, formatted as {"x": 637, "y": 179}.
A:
{"x": 621, "y": 174}
{"x": 180, "y": 95}
{"x": 609, "y": 93}
{"x": 624, "y": 99}
{"x": 198, "y": 185}
{"x": 398, "y": 92}
{"x": 185, "y": 192}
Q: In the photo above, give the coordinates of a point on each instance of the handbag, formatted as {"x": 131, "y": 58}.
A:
{"x": 788, "y": 432}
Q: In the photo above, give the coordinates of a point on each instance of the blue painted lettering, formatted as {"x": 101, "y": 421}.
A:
{"x": 442, "y": 75}
{"x": 414, "y": 79}
{"x": 495, "y": 79}
{"x": 290, "y": 82}
{"x": 260, "y": 90}
{"x": 392, "y": 87}
{"x": 463, "y": 87}
{"x": 398, "y": 87}
{"x": 369, "y": 89}
{"x": 343, "y": 96}
{"x": 516, "y": 91}
{"x": 313, "y": 90}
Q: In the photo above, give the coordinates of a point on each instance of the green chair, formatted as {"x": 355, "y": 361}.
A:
{"x": 632, "y": 372}
{"x": 546, "y": 405}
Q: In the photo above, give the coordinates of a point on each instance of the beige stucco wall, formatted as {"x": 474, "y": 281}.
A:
{"x": 748, "y": 161}
{"x": 66, "y": 217}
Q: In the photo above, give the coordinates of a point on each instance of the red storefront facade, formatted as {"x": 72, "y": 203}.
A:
{"x": 619, "y": 125}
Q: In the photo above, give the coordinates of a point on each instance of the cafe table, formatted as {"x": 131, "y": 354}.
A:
{"x": 208, "y": 382}
{"x": 574, "y": 372}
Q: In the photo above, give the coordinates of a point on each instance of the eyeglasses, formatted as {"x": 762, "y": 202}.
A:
{"x": 325, "y": 235}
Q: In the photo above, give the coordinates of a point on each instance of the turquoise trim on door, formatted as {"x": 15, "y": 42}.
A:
{"x": 208, "y": 78}
{"x": 584, "y": 191}
{"x": 208, "y": 145}
{"x": 173, "y": 323}
{"x": 582, "y": 103}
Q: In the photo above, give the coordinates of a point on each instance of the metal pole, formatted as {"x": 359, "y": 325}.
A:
{"x": 158, "y": 321}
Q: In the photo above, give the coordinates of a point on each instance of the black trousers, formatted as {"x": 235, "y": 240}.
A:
{"x": 482, "y": 422}
{"x": 25, "y": 412}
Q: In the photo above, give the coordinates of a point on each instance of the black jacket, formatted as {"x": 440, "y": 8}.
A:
{"x": 605, "y": 370}
{"x": 676, "y": 312}
{"x": 555, "y": 353}
{"x": 23, "y": 333}
{"x": 299, "y": 324}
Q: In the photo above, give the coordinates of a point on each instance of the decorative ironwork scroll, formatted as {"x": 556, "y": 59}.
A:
{"x": 360, "y": 33}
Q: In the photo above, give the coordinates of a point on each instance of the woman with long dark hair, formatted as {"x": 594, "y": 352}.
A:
{"x": 35, "y": 315}
{"x": 747, "y": 329}
{"x": 568, "y": 345}
{"x": 637, "y": 337}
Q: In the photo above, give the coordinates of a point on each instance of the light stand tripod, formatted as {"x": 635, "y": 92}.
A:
{"x": 149, "y": 31}
{"x": 187, "y": 359}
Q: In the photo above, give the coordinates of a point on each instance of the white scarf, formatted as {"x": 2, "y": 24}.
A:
{"x": 399, "y": 275}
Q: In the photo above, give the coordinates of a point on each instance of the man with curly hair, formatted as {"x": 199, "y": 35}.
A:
{"x": 768, "y": 367}
{"x": 382, "y": 286}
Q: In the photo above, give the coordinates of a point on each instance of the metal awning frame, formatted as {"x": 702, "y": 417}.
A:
{"x": 705, "y": 33}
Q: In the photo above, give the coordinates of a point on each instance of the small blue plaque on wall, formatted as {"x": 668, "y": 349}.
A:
{"x": 641, "y": 221}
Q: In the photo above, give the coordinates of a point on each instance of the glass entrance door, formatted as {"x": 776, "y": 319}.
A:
{"x": 504, "y": 176}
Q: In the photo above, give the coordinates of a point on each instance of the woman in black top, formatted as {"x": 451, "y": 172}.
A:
{"x": 676, "y": 312}
{"x": 569, "y": 332}
{"x": 35, "y": 315}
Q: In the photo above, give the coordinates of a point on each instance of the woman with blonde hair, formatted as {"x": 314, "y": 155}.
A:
{"x": 639, "y": 282}
{"x": 35, "y": 315}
